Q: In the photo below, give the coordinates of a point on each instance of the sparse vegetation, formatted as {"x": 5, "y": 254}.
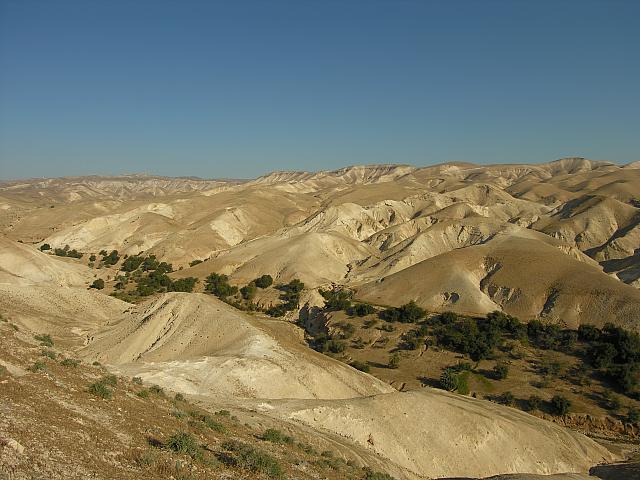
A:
{"x": 37, "y": 367}
{"x": 249, "y": 458}
{"x": 49, "y": 354}
{"x": 45, "y": 340}
{"x": 100, "y": 389}
{"x": 362, "y": 366}
{"x": 276, "y": 436}
{"x": 70, "y": 362}
{"x": 184, "y": 442}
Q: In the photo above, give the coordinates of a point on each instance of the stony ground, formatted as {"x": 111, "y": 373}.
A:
{"x": 53, "y": 427}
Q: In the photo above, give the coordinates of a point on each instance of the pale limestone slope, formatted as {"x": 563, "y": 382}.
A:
{"x": 24, "y": 264}
{"x": 199, "y": 345}
{"x": 438, "y": 434}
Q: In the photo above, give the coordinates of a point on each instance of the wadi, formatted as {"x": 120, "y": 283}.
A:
{"x": 371, "y": 322}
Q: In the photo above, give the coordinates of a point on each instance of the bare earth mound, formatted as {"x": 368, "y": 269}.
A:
{"x": 197, "y": 344}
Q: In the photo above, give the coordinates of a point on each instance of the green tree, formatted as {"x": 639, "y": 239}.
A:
{"x": 449, "y": 379}
{"x": 560, "y": 405}
{"x": 248, "y": 291}
{"x": 500, "y": 371}
{"x": 264, "y": 281}
{"x": 97, "y": 284}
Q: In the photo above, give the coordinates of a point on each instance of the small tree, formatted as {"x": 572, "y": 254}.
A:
{"x": 534, "y": 402}
{"x": 500, "y": 371}
{"x": 97, "y": 284}
{"x": 394, "y": 361}
{"x": 449, "y": 380}
{"x": 560, "y": 405}
{"x": 507, "y": 398}
{"x": 248, "y": 291}
{"x": 264, "y": 281}
{"x": 45, "y": 246}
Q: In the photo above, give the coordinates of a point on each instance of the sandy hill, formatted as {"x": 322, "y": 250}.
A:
{"x": 488, "y": 440}
{"x": 197, "y": 344}
{"x": 498, "y": 275}
{"x": 354, "y": 225}
{"x": 24, "y": 264}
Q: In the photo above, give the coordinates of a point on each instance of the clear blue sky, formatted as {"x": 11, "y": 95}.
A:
{"x": 238, "y": 88}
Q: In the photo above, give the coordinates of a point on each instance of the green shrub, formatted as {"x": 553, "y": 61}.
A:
{"x": 308, "y": 449}
{"x": 248, "y": 292}
{"x": 560, "y": 405}
{"x": 264, "y": 281}
{"x": 45, "y": 340}
{"x": 588, "y": 333}
{"x": 45, "y": 246}
{"x": 248, "y": 458}
{"x": 500, "y": 371}
{"x": 373, "y": 475}
{"x": 407, "y": 313}
{"x": 179, "y": 397}
{"x": 213, "y": 425}
{"x": 449, "y": 380}
{"x": 137, "y": 380}
{"x": 49, "y": 354}
{"x": 184, "y": 442}
{"x": 361, "y": 310}
{"x": 338, "y": 299}
{"x": 534, "y": 402}
{"x": 276, "y": 436}
{"x": 362, "y": 366}
{"x": 37, "y": 367}
{"x": 101, "y": 390}
{"x": 144, "y": 393}
{"x": 183, "y": 285}
{"x": 394, "y": 361}
{"x": 507, "y": 398}
{"x": 193, "y": 263}
{"x": 633, "y": 415}
{"x": 70, "y": 362}
{"x": 372, "y": 322}
{"x": 219, "y": 286}
{"x": 111, "y": 259}
{"x": 97, "y": 284}
{"x": 157, "y": 390}
{"x": 110, "y": 380}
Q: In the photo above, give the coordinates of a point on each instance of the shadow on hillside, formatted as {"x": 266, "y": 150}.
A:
{"x": 620, "y": 471}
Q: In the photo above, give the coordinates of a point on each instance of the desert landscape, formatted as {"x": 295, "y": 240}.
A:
{"x": 319, "y": 240}
{"x": 375, "y": 321}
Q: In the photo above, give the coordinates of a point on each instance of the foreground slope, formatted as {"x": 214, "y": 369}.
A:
{"x": 200, "y": 346}
{"x": 439, "y": 434}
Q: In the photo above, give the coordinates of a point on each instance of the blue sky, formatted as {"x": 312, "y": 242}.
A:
{"x": 240, "y": 88}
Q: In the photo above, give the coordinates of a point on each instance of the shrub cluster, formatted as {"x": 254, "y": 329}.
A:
{"x": 407, "y": 313}
{"x": 66, "y": 252}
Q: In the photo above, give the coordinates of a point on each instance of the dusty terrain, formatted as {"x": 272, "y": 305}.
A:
{"x": 558, "y": 242}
